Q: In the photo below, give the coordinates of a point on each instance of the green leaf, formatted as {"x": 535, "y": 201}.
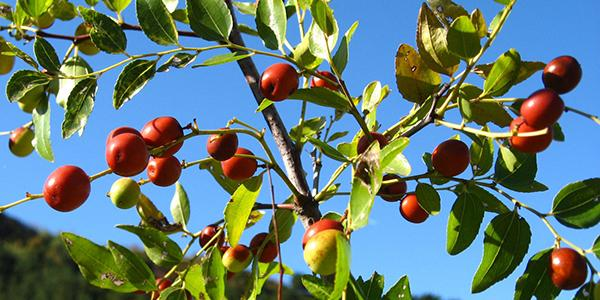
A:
{"x": 400, "y": 290}
{"x": 194, "y": 282}
{"x": 536, "y": 281}
{"x": 482, "y": 154}
{"x": 264, "y": 104}
{"x": 504, "y": 2}
{"x": 596, "y": 247}
{"x": 415, "y": 81}
{"x": 74, "y": 66}
{"x": 463, "y": 39}
{"x": 463, "y": 223}
{"x": 106, "y": 34}
{"x": 323, "y": 16}
{"x": 515, "y": 170}
{"x": 271, "y": 23}
{"x": 35, "y": 8}
{"x": 428, "y": 198}
{"x": 503, "y": 74}
{"x": 239, "y": 207}
{"x": 246, "y": 8}
{"x": 214, "y": 168}
{"x": 180, "y": 205}
{"x": 173, "y": 293}
{"x": 79, "y": 107}
{"x": 156, "y": 22}
{"x": 323, "y": 97}
{"x": 285, "y": 222}
{"x": 341, "y": 56}
{"x": 308, "y": 128}
{"x": 484, "y": 112}
{"x": 132, "y": 267}
{"x": 479, "y": 21}
{"x": 434, "y": 180}
{"x": 210, "y": 19}
{"x": 365, "y": 185}
{"x": 303, "y": 56}
{"x": 526, "y": 70}
{"x": 328, "y": 150}
{"x": 372, "y": 96}
{"x": 115, "y": 5}
{"x": 490, "y": 202}
{"x": 447, "y": 10}
{"x": 392, "y": 159}
{"x": 585, "y": 291}
{"x": 342, "y": 267}
{"x": 223, "y": 59}
{"x": 171, "y": 5}
{"x": 160, "y": 249}
{"x": 337, "y": 135}
{"x": 557, "y": 133}
{"x": 132, "y": 79}
{"x": 432, "y": 43}
{"x": 214, "y": 274}
{"x": 505, "y": 244}
{"x": 24, "y": 81}
{"x": 180, "y": 15}
{"x": 261, "y": 273}
{"x": 41, "y": 121}
{"x": 96, "y": 263}
{"x": 316, "y": 287}
{"x": 577, "y": 205}
{"x": 46, "y": 55}
{"x": 20, "y": 54}
{"x": 178, "y": 60}
{"x": 320, "y": 44}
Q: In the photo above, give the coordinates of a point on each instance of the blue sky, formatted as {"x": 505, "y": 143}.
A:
{"x": 539, "y": 30}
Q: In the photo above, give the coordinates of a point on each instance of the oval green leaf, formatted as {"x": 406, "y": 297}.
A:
{"x": 41, "y": 121}
{"x": 132, "y": 79}
{"x": 180, "y": 205}
{"x": 210, "y": 19}
{"x": 133, "y": 267}
{"x": 415, "y": 81}
{"x": 46, "y": 55}
{"x": 73, "y": 66}
{"x": 432, "y": 43}
{"x": 323, "y": 97}
{"x": 536, "y": 280}
{"x": 577, "y": 205}
{"x": 79, "y": 107}
{"x": 239, "y": 207}
{"x": 160, "y": 249}
{"x": 503, "y": 74}
{"x": 428, "y": 198}
{"x": 463, "y": 223}
{"x": 22, "y": 82}
{"x": 271, "y": 23}
{"x": 106, "y": 34}
{"x": 156, "y": 22}
{"x": 463, "y": 39}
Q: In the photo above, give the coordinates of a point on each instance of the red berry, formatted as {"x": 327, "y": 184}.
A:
{"x": 67, "y": 188}
{"x": 240, "y": 168}
{"x": 542, "y": 109}
{"x": 208, "y": 233}
{"x": 222, "y": 146}
{"x": 278, "y": 81}
{"x": 126, "y": 154}
{"x": 163, "y": 284}
{"x": 531, "y": 144}
{"x": 223, "y": 249}
{"x": 411, "y": 210}
{"x": 269, "y": 251}
{"x": 319, "y": 226}
{"x": 161, "y": 131}
{"x": 318, "y": 82}
{"x": 121, "y": 130}
{"x": 568, "y": 269}
{"x": 394, "y": 191}
{"x": 450, "y": 158}
{"x": 562, "y": 74}
{"x": 164, "y": 171}
{"x": 363, "y": 142}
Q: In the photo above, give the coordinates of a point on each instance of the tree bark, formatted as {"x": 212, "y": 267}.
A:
{"x": 307, "y": 208}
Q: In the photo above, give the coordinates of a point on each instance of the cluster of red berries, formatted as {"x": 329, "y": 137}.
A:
{"x": 237, "y": 258}
{"x": 280, "y": 80}
{"x": 223, "y": 147}
{"x": 544, "y": 107}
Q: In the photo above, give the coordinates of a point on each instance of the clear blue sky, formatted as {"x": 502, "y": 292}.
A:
{"x": 539, "y": 30}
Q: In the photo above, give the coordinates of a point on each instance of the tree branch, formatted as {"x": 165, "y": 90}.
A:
{"x": 308, "y": 209}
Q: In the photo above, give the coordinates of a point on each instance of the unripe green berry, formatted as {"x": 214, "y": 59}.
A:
{"x": 20, "y": 140}
{"x": 124, "y": 193}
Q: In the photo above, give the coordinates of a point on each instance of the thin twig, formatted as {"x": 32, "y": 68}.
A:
{"x": 276, "y": 229}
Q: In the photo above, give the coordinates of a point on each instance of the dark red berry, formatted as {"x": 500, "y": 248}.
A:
{"x": 222, "y": 146}
{"x": 164, "y": 171}
{"x": 67, "y": 188}
{"x": 562, "y": 74}
{"x": 278, "y": 81}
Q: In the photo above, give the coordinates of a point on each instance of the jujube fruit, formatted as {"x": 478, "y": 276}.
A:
{"x": 269, "y": 251}
{"x": 411, "y": 210}
{"x": 278, "y": 81}
{"x": 45, "y": 20}
{"x": 363, "y": 142}
{"x": 528, "y": 144}
{"x": 124, "y": 193}
{"x": 121, "y": 130}
{"x": 237, "y": 258}
{"x": 162, "y": 131}
{"x": 6, "y": 61}
{"x": 164, "y": 171}
{"x": 568, "y": 268}
{"x": 450, "y": 158}
{"x": 542, "y": 109}
{"x": 320, "y": 253}
{"x": 393, "y": 191}
{"x": 127, "y": 155}
{"x": 20, "y": 140}
{"x": 240, "y": 168}
{"x": 222, "y": 146}
{"x": 562, "y": 74}
{"x": 208, "y": 233}
{"x": 319, "y": 226}
{"x": 318, "y": 82}
{"x": 163, "y": 284}
{"x": 67, "y": 188}
{"x": 86, "y": 46}
{"x": 31, "y": 99}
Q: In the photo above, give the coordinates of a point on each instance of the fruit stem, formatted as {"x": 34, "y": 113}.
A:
{"x": 581, "y": 113}
{"x": 494, "y": 135}
{"x": 100, "y": 174}
{"x": 332, "y": 180}
{"x": 26, "y": 199}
